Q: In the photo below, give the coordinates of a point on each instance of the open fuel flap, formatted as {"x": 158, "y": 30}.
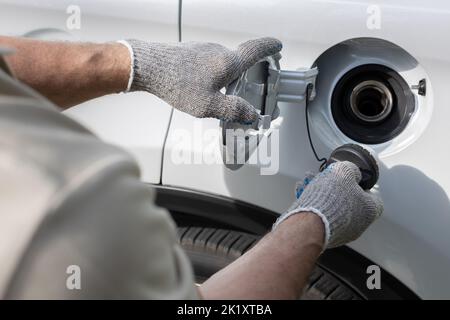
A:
{"x": 263, "y": 85}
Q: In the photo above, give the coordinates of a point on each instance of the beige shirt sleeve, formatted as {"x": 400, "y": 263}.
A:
{"x": 72, "y": 208}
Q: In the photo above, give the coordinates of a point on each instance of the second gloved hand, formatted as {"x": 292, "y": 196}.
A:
{"x": 336, "y": 197}
{"x": 189, "y": 76}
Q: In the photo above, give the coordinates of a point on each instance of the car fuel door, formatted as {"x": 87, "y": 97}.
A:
{"x": 263, "y": 85}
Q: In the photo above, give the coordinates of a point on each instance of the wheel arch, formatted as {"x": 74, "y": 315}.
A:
{"x": 194, "y": 208}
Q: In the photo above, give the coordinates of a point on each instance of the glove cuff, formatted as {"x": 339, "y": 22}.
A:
{"x": 130, "y": 50}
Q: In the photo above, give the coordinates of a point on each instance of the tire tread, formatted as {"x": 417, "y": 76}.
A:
{"x": 229, "y": 245}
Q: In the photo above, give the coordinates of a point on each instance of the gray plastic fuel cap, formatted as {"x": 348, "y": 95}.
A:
{"x": 362, "y": 158}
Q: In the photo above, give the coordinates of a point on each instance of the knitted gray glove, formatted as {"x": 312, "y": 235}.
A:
{"x": 334, "y": 195}
{"x": 189, "y": 76}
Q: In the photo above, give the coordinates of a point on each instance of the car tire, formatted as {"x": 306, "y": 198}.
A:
{"x": 211, "y": 249}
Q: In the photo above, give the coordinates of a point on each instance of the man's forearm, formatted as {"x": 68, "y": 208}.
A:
{"x": 69, "y": 73}
{"x": 278, "y": 267}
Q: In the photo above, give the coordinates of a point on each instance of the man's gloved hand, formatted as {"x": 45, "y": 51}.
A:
{"x": 189, "y": 76}
{"x": 335, "y": 196}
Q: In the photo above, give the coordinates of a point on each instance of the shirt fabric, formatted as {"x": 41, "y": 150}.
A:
{"x": 75, "y": 220}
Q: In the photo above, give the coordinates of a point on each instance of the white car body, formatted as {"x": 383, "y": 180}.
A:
{"x": 411, "y": 240}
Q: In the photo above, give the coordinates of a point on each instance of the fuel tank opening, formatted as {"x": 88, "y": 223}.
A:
{"x": 371, "y": 101}
{"x": 372, "y": 104}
